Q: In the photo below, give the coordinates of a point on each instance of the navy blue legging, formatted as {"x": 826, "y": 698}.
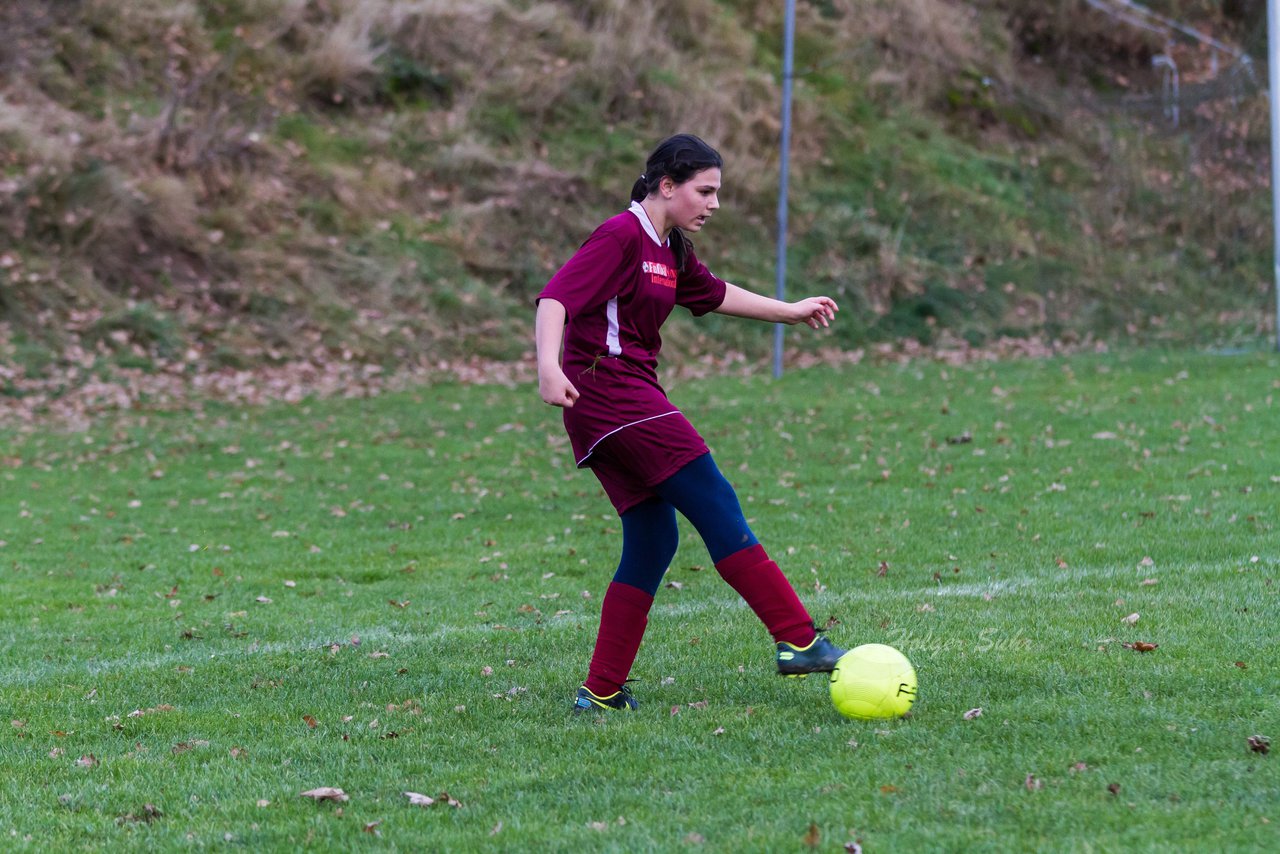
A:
{"x": 649, "y": 534}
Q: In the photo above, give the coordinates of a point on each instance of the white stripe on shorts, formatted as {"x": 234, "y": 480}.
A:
{"x": 592, "y": 449}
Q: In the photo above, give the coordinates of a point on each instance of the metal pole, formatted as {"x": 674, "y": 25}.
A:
{"x": 788, "y": 60}
{"x": 1273, "y": 75}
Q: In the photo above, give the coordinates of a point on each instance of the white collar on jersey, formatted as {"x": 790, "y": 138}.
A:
{"x": 643, "y": 215}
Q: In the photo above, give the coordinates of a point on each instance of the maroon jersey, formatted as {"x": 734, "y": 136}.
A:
{"x": 617, "y": 290}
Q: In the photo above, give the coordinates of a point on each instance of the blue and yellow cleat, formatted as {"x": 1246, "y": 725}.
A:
{"x": 820, "y": 656}
{"x": 620, "y": 700}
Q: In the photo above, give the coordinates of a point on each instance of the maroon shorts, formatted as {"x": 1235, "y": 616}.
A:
{"x": 630, "y": 462}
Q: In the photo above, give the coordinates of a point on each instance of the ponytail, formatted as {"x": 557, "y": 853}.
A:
{"x": 679, "y": 158}
{"x": 640, "y": 189}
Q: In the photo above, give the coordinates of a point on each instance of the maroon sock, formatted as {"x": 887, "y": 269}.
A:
{"x": 759, "y": 581}
{"x": 623, "y": 617}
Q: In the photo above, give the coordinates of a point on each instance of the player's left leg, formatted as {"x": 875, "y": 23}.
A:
{"x": 703, "y": 495}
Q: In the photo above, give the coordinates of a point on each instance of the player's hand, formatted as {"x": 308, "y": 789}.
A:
{"x": 555, "y": 387}
{"x": 817, "y": 312}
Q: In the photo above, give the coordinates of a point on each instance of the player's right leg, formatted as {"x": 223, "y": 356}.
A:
{"x": 649, "y": 541}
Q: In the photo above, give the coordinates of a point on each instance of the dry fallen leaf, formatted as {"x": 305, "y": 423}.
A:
{"x": 973, "y": 713}
{"x": 420, "y": 800}
{"x": 310, "y": 721}
{"x": 1141, "y": 646}
{"x": 1259, "y": 744}
{"x": 326, "y": 793}
{"x": 146, "y": 815}
{"x": 1130, "y": 620}
{"x": 814, "y": 837}
{"x": 1114, "y": 788}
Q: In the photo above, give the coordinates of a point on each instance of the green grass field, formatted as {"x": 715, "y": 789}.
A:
{"x": 207, "y": 614}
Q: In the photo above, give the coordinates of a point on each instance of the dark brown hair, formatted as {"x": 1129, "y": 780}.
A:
{"x": 679, "y": 158}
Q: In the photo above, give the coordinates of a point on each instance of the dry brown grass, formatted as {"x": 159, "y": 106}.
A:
{"x": 920, "y": 45}
{"x": 173, "y": 209}
{"x": 341, "y": 62}
{"x": 139, "y": 162}
{"x": 32, "y": 136}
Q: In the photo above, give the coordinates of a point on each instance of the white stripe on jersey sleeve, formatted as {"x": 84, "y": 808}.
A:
{"x": 611, "y": 337}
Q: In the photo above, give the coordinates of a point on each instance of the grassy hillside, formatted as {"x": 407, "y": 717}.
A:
{"x": 205, "y": 183}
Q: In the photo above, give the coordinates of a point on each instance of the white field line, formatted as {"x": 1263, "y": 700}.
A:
{"x": 371, "y": 639}
{"x": 1061, "y": 584}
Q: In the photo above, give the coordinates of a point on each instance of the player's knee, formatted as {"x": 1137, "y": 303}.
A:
{"x": 721, "y": 494}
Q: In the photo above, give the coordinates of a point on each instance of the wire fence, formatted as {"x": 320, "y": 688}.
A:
{"x": 1174, "y": 125}
{"x": 1213, "y": 96}
{"x": 1204, "y": 88}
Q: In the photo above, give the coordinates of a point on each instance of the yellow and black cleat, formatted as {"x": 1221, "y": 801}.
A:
{"x": 620, "y": 700}
{"x": 820, "y": 656}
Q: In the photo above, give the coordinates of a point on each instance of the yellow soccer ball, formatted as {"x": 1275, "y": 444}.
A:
{"x": 873, "y": 682}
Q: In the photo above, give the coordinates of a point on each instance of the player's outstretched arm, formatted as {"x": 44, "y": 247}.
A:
{"x": 817, "y": 312}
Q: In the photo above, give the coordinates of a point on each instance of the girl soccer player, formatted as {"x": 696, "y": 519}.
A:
{"x": 604, "y": 308}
